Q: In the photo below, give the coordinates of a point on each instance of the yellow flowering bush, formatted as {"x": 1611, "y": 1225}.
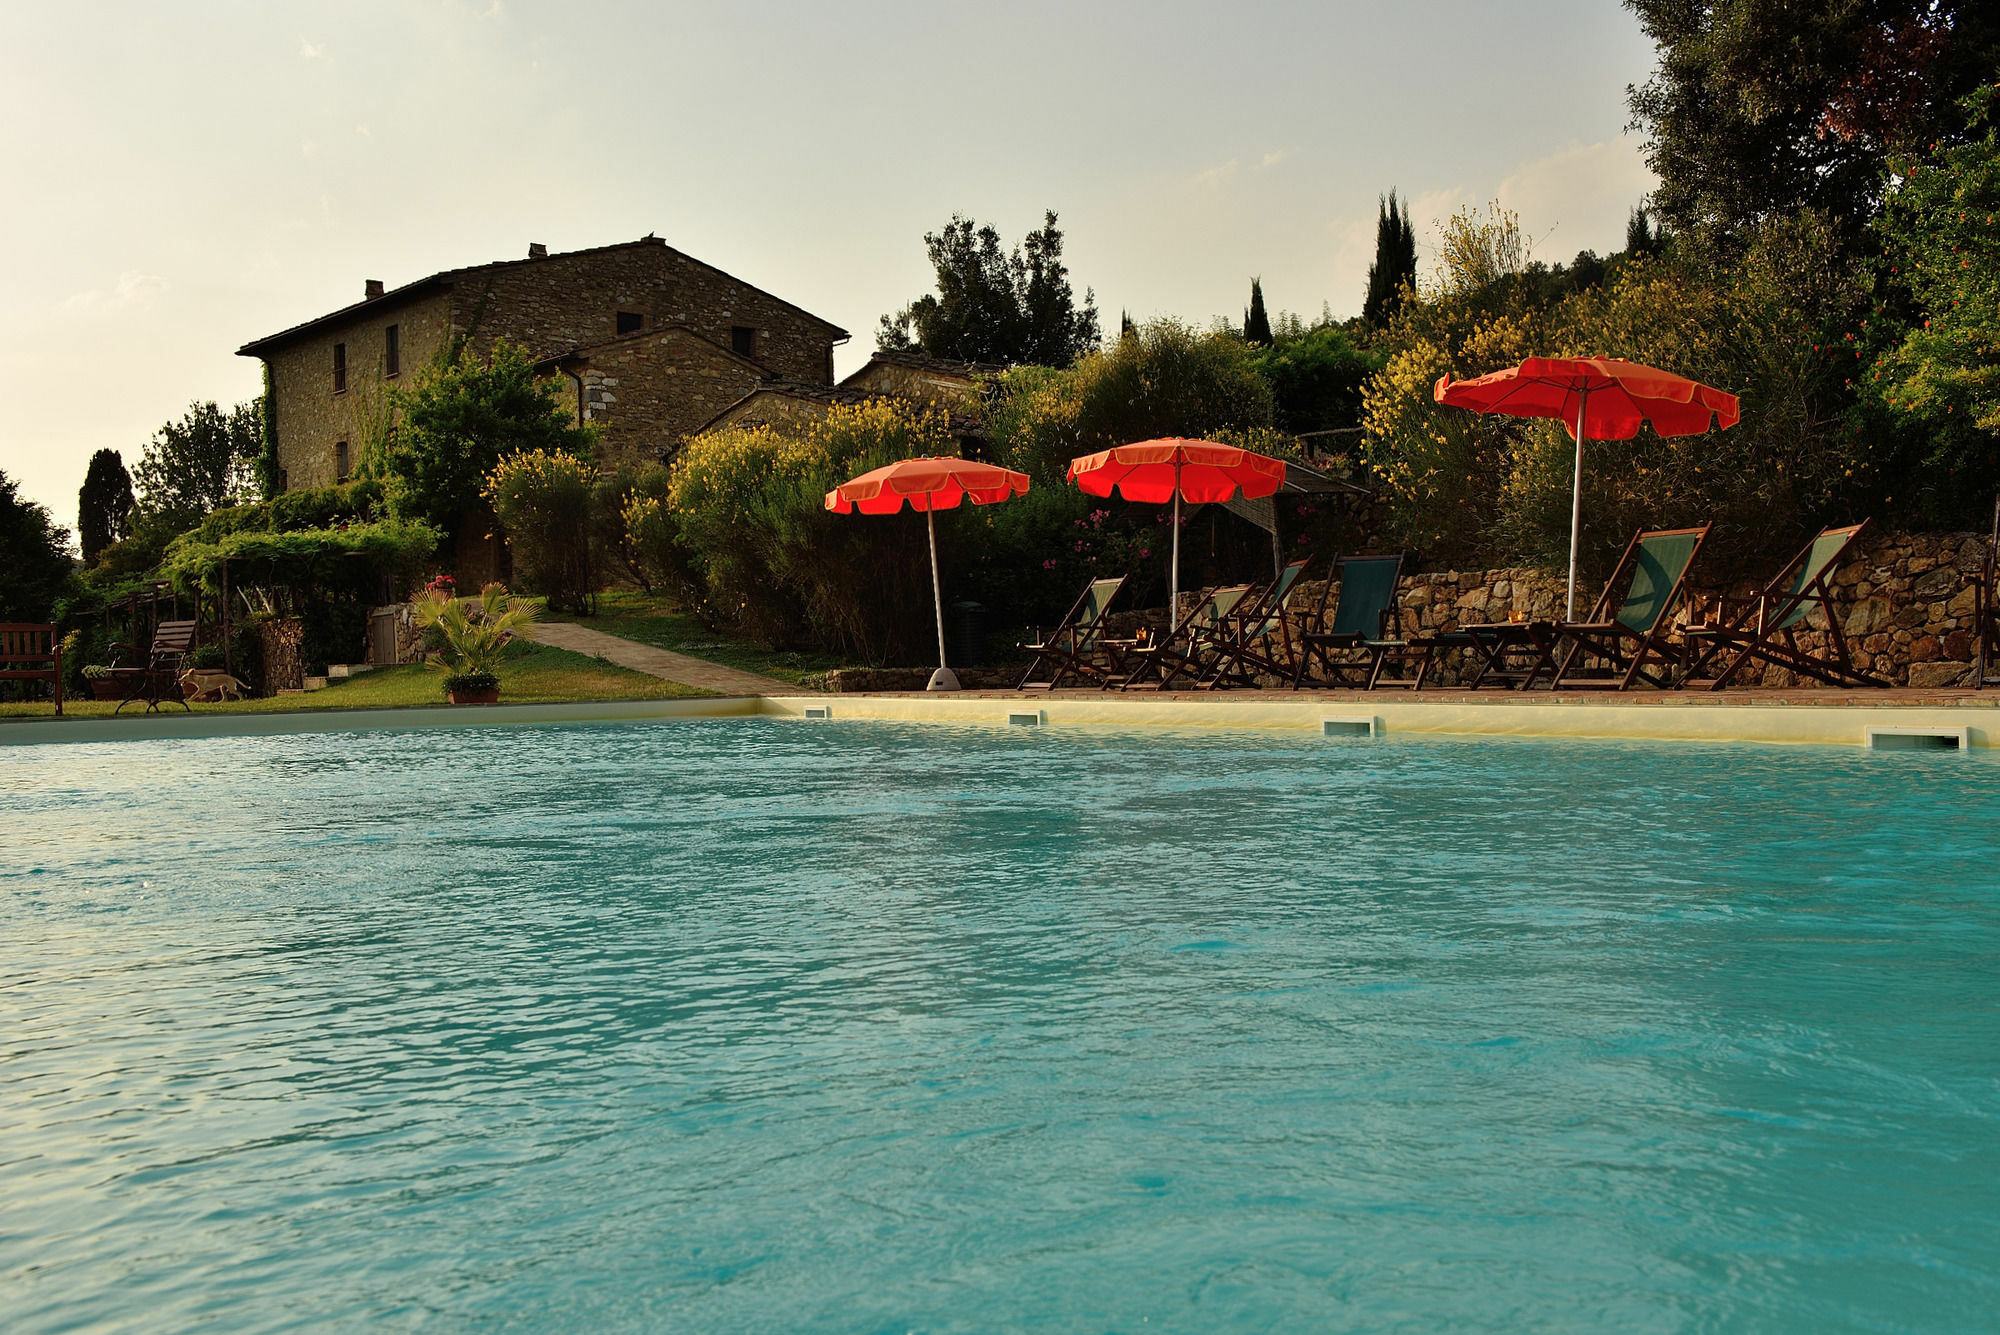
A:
{"x": 543, "y": 500}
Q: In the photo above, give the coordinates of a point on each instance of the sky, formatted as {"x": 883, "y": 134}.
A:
{"x": 185, "y": 178}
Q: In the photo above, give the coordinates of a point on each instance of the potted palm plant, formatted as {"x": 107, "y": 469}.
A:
{"x": 470, "y": 635}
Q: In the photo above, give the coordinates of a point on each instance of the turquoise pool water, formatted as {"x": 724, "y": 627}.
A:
{"x": 761, "y": 1026}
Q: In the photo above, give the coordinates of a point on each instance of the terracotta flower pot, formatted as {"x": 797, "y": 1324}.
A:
{"x": 489, "y": 696}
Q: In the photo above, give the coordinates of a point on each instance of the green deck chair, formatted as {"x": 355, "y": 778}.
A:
{"x": 1365, "y": 623}
{"x": 1184, "y": 650}
{"x": 1614, "y": 650}
{"x": 1076, "y": 647}
{"x": 1765, "y": 629}
{"x": 1258, "y": 641}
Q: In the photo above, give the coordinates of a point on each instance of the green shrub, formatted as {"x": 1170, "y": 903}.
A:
{"x": 748, "y": 509}
{"x": 460, "y": 419}
{"x": 617, "y": 553}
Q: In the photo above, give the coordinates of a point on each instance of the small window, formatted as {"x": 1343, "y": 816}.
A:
{"x": 339, "y": 367}
{"x": 743, "y": 341}
{"x": 392, "y": 350}
{"x": 629, "y": 322}
{"x": 340, "y": 461}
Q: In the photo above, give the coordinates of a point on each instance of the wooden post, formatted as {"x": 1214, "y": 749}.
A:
{"x": 228, "y": 663}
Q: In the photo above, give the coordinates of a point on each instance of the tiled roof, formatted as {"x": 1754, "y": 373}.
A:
{"x": 445, "y": 278}
{"x": 918, "y": 361}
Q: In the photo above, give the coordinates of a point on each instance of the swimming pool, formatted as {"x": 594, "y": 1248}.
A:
{"x": 752, "y": 1025}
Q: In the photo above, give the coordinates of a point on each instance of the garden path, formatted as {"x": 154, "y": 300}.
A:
{"x": 654, "y": 662}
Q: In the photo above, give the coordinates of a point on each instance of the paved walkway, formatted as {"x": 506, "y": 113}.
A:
{"x": 657, "y": 662}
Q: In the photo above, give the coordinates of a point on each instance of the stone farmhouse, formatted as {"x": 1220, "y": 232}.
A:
{"x": 654, "y": 342}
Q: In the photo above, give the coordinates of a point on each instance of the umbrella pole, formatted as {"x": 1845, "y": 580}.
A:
{"x": 944, "y": 679}
{"x": 1575, "y": 507}
{"x": 1174, "y": 579}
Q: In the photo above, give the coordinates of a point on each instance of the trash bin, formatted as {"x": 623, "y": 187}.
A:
{"x": 965, "y": 634}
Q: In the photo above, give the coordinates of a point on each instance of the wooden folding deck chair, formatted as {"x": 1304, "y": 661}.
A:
{"x": 1608, "y": 650}
{"x": 1765, "y": 629}
{"x": 1183, "y": 651}
{"x": 1366, "y": 628}
{"x": 1258, "y": 641}
{"x": 1653, "y": 573}
{"x": 173, "y": 641}
{"x": 1075, "y": 648}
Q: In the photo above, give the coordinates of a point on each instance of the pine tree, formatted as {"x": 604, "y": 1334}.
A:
{"x": 1256, "y": 324}
{"x": 1395, "y": 263}
{"x": 104, "y": 505}
{"x": 1126, "y": 329}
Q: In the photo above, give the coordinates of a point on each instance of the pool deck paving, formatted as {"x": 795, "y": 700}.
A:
{"x": 662, "y": 663}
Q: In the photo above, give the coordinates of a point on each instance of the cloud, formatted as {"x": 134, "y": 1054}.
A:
{"x": 1273, "y": 158}
{"x": 1579, "y": 197}
{"x": 132, "y": 291}
{"x": 308, "y": 51}
{"x": 1214, "y": 176}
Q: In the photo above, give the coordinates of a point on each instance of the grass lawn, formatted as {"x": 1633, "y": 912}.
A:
{"x": 532, "y": 674}
{"x": 651, "y": 618}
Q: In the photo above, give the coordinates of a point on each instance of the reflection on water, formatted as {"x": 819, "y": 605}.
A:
{"x": 753, "y": 1026}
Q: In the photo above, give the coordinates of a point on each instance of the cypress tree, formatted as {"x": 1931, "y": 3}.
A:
{"x": 1641, "y": 238}
{"x": 1256, "y": 324}
{"x": 104, "y": 505}
{"x": 1395, "y": 263}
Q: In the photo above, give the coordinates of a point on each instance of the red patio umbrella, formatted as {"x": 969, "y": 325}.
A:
{"x": 1200, "y": 471}
{"x": 928, "y": 485}
{"x": 1607, "y": 398}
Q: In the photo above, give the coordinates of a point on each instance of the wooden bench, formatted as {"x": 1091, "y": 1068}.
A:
{"x": 32, "y": 653}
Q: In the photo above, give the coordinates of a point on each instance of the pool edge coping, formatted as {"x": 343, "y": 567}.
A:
{"x": 412, "y": 718}
{"x": 1791, "y": 723}
{"x": 1796, "y": 722}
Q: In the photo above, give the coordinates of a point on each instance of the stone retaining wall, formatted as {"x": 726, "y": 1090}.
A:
{"x": 1906, "y": 604}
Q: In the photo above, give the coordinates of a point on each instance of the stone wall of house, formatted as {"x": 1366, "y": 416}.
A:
{"x": 646, "y": 394}
{"x": 312, "y": 417}
{"x": 1906, "y": 605}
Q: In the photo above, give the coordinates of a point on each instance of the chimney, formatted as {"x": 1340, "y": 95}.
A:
{"x": 371, "y": 288}
{"x": 537, "y": 251}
